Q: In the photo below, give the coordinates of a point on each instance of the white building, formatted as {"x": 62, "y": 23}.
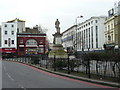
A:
{"x": 9, "y": 32}
{"x": 67, "y": 38}
{"x": 90, "y": 34}
{"x": 0, "y": 36}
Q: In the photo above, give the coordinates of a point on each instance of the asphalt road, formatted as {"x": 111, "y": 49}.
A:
{"x": 16, "y": 75}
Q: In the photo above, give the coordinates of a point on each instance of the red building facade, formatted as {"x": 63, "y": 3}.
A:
{"x": 31, "y": 44}
{"x": 8, "y": 52}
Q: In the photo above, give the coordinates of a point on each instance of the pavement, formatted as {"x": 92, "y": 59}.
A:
{"x": 112, "y": 84}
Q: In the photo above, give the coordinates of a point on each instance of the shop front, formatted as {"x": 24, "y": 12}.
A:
{"x": 8, "y": 52}
{"x": 31, "y": 45}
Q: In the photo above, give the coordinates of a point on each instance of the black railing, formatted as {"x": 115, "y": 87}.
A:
{"x": 100, "y": 65}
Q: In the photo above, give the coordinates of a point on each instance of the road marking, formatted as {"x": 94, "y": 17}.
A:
{"x": 4, "y": 67}
{"x": 19, "y": 85}
{"x": 10, "y": 77}
{"x": 22, "y": 87}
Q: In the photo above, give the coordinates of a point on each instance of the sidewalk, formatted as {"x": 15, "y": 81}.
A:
{"x": 112, "y": 84}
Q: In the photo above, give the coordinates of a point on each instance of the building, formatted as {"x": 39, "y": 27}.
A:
{"x": 112, "y": 26}
{"x": 31, "y": 44}
{"x": 0, "y": 36}
{"x": 16, "y": 39}
{"x": 67, "y": 38}
{"x": 90, "y": 34}
{"x": 117, "y": 28}
{"x": 9, "y": 32}
{"x": 0, "y": 44}
{"x": 109, "y": 34}
{"x": 32, "y": 30}
{"x": 19, "y": 23}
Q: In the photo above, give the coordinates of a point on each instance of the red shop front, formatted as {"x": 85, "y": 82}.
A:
{"x": 8, "y": 52}
{"x": 31, "y": 44}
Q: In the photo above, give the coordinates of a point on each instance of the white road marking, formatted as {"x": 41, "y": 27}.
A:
{"x": 4, "y": 67}
{"x": 10, "y": 77}
{"x": 19, "y": 85}
{"x": 22, "y": 87}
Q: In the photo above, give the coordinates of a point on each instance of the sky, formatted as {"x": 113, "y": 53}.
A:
{"x": 45, "y": 12}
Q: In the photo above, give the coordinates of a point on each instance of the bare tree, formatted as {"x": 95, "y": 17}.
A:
{"x": 42, "y": 29}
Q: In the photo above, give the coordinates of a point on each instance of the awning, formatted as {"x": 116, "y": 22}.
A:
{"x": 8, "y": 50}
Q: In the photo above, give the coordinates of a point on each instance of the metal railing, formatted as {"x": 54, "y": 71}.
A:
{"x": 100, "y": 67}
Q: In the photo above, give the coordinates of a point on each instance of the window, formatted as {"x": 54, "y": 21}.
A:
{"x": 96, "y": 36}
{"x": 86, "y": 38}
{"x": 5, "y": 32}
{"x": 18, "y": 30}
{"x": 12, "y": 41}
{"x": 112, "y": 37}
{"x": 31, "y": 42}
{"x": 5, "y": 25}
{"x": 89, "y": 37}
{"x": 12, "y": 26}
{"x": 9, "y": 42}
{"x": 80, "y": 40}
{"x": 41, "y": 41}
{"x": 105, "y": 28}
{"x": 96, "y": 21}
{"x": 92, "y": 36}
{"x": 5, "y": 41}
{"x": 21, "y": 41}
{"x": 108, "y": 27}
{"x": 109, "y": 37}
{"x": 89, "y": 23}
{"x": 41, "y": 50}
{"x": 12, "y": 32}
{"x": 111, "y": 26}
{"x": 105, "y": 38}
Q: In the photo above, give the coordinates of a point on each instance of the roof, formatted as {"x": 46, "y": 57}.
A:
{"x": 18, "y": 20}
{"x": 42, "y": 34}
{"x": 94, "y": 17}
{"x": 69, "y": 28}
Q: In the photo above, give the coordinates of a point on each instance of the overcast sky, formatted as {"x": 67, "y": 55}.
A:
{"x": 45, "y": 12}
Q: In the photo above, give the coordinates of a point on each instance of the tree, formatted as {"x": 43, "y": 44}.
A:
{"x": 42, "y": 29}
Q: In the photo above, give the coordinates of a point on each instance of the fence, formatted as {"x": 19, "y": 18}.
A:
{"x": 99, "y": 66}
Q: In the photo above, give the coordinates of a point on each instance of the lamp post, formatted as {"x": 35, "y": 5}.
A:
{"x": 68, "y": 64}
{"x": 76, "y": 33}
{"x": 54, "y": 62}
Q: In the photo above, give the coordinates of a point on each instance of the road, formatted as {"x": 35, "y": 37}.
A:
{"x": 17, "y": 75}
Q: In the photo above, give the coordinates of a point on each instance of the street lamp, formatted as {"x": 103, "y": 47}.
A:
{"x": 68, "y": 63}
{"x": 54, "y": 62}
{"x": 76, "y": 32}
